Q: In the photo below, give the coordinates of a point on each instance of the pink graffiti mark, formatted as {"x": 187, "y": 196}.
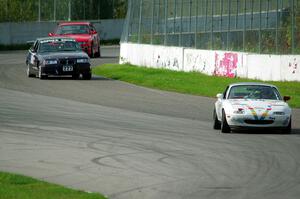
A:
{"x": 227, "y": 65}
{"x": 293, "y": 66}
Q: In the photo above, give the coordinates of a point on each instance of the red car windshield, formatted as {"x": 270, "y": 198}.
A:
{"x": 72, "y": 29}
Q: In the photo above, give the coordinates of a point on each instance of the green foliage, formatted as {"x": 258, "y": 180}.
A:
{"x": 183, "y": 82}
{"x": 28, "y": 10}
{"x": 14, "y": 47}
{"x": 21, "y": 187}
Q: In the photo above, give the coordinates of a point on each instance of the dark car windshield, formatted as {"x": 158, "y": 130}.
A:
{"x": 72, "y": 29}
{"x": 59, "y": 46}
{"x": 254, "y": 92}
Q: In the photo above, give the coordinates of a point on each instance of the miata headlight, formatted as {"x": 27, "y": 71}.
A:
{"x": 50, "y": 61}
{"x": 83, "y": 60}
{"x": 278, "y": 113}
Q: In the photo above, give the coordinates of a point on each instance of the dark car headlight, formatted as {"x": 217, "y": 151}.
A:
{"x": 50, "y": 61}
{"x": 82, "y": 60}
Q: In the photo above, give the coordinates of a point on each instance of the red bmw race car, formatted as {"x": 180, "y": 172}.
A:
{"x": 84, "y": 33}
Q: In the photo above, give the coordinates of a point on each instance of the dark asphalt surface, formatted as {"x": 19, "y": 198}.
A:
{"x": 130, "y": 142}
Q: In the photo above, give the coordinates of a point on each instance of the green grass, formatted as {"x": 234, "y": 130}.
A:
{"x": 21, "y": 187}
{"x": 189, "y": 83}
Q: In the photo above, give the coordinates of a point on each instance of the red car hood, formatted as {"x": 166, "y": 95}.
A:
{"x": 79, "y": 38}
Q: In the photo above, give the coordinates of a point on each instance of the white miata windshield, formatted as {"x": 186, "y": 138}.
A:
{"x": 254, "y": 92}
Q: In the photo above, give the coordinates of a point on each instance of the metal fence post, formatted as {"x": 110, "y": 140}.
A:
{"x": 293, "y": 26}
{"x": 259, "y": 33}
{"x": 228, "y": 27}
{"x": 212, "y": 25}
{"x": 175, "y": 14}
{"x": 252, "y": 7}
{"x": 205, "y": 22}
{"x": 190, "y": 16}
{"x": 129, "y": 22}
{"x": 181, "y": 23}
{"x": 54, "y": 10}
{"x": 39, "y": 10}
{"x": 244, "y": 28}
{"x": 221, "y": 15}
{"x": 196, "y": 22}
{"x": 237, "y": 13}
{"x": 166, "y": 22}
{"x": 152, "y": 22}
{"x": 140, "y": 21}
{"x": 276, "y": 37}
{"x": 69, "y": 5}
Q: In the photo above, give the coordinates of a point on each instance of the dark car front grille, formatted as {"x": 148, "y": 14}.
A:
{"x": 67, "y": 62}
{"x": 262, "y": 122}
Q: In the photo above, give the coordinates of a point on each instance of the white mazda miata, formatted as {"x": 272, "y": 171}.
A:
{"x": 252, "y": 105}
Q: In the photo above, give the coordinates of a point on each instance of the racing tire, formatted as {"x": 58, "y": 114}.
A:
{"x": 87, "y": 76}
{"x": 224, "y": 125}
{"x": 40, "y": 76}
{"x": 217, "y": 123}
{"x": 98, "y": 54}
{"x": 28, "y": 72}
{"x": 92, "y": 51}
{"x": 288, "y": 129}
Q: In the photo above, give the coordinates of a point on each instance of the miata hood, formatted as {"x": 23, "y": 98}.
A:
{"x": 249, "y": 104}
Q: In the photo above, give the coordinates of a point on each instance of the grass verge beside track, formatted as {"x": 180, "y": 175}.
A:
{"x": 21, "y": 187}
{"x": 185, "y": 82}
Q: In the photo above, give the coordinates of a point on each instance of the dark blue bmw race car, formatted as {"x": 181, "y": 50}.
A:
{"x": 57, "y": 56}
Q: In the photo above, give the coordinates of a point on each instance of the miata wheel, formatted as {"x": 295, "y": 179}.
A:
{"x": 224, "y": 125}
{"x": 217, "y": 123}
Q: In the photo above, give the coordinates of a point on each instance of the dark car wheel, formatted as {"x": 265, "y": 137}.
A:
{"x": 224, "y": 125}
{"x": 87, "y": 76}
{"x": 217, "y": 123}
{"x": 98, "y": 54}
{"x": 29, "y": 72}
{"x": 92, "y": 51}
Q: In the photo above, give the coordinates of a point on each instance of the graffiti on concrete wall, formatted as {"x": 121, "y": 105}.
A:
{"x": 167, "y": 62}
{"x": 293, "y": 66}
{"x": 196, "y": 62}
{"x": 226, "y": 64}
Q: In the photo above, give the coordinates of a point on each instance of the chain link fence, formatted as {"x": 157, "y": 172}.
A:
{"x": 260, "y": 26}
{"x": 61, "y": 10}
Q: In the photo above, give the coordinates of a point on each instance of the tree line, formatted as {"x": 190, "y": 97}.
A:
{"x": 55, "y": 10}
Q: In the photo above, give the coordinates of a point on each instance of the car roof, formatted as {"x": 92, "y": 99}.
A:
{"x": 55, "y": 39}
{"x": 252, "y": 83}
{"x": 74, "y": 23}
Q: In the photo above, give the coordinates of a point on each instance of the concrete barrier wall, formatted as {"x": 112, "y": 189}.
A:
{"x": 211, "y": 62}
{"x": 20, "y": 33}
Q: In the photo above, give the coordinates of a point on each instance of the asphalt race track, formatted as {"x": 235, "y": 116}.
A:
{"x": 130, "y": 142}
